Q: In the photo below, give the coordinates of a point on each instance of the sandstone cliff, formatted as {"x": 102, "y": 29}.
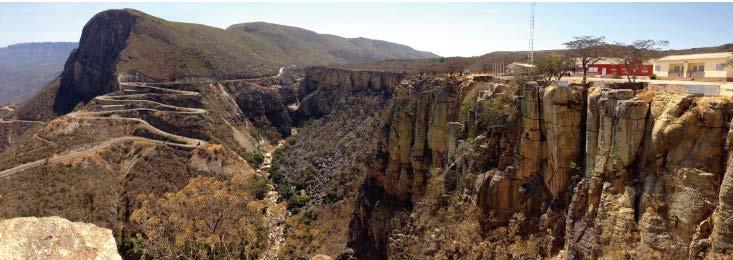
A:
{"x": 589, "y": 170}
{"x": 657, "y": 177}
{"x": 323, "y": 88}
{"x": 55, "y": 238}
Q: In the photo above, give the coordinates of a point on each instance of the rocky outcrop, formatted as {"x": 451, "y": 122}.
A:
{"x": 598, "y": 169}
{"x": 265, "y": 107}
{"x": 613, "y": 147}
{"x": 722, "y": 236}
{"x": 549, "y": 153}
{"x": 323, "y": 88}
{"x": 655, "y": 178}
{"x": 562, "y": 116}
{"x": 91, "y": 69}
{"x": 414, "y": 141}
{"x": 55, "y": 238}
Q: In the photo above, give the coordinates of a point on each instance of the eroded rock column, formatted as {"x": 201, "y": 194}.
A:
{"x": 562, "y": 114}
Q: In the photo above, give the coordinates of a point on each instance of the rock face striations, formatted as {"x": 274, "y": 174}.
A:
{"x": 591, "y": 170}
{"x": 656, "y": 178}
{"x": 324, "y": 88}
{"x": 91, "y": 69}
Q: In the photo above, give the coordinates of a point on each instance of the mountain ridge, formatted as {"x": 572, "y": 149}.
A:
{"x": 346, "y": 50}
{"x": 130, "y": 45}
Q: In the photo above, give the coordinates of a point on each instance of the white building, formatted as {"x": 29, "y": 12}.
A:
{"x": 699, "y": 67}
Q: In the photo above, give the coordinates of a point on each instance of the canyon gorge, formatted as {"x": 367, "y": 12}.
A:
{"x": 161, "y": 143}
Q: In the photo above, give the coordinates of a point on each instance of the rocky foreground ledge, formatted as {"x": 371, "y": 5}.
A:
{"x": 55, "y": 238}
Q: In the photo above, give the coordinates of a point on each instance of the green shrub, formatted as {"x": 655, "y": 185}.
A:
{"x": 297, "y": 201}
{"x": 495, "y": 112}
{"x": 255, "y": 159}
{"x": 653, "y": 76}
{"x": 260, "y": 186}
{"x": 332, "y": 198}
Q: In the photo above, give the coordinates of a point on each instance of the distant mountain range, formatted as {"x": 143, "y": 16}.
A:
{"x": 26, "y": 67}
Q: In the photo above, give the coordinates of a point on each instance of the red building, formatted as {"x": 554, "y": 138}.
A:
{"x": 610, "y": 68}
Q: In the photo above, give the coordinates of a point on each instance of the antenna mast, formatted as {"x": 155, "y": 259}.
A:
{"x": 531, "y": 35}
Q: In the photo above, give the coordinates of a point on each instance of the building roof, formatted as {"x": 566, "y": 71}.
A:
{"x": 611, "y": 61}
{"x": 700, "y": 56}
{"x": 521, "y": 64}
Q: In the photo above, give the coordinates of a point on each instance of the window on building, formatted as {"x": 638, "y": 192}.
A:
{"x": 720, "y": 67}
{"x": 676, "y": 69}
{"x": 697, "y": 67}
{"x": 657, "y": 67}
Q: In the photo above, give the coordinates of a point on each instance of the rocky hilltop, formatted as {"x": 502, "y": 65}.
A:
{"x": 55, "y": 238}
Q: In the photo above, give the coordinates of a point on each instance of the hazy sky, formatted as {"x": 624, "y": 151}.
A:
{"x": 446, "y": 29}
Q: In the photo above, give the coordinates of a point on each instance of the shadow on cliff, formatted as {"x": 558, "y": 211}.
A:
{"x": 91, "y": 69}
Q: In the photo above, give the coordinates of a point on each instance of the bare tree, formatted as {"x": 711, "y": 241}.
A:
{"x": 633, "y": 55}
{"x": 587, "y": 50}
{"x": 553, "y": 65}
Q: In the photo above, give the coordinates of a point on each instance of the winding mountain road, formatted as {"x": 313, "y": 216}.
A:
{"x": 2, "y": 120}
{"x": 114, "y": 100}
{"x": 95, "y": 148}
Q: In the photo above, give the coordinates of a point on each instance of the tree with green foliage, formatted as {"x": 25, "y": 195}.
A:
{"x": 553, "y": 65}
{"x": 634, "y": 54}
{"x": 587, "y": 50}
{"x": 255, "y": 159}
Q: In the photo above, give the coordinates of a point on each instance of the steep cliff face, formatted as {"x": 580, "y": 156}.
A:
{"x": 319, "y": 170}
{"x": 269, "y": 103}
{"x": 401, "y": 163}
{"x": 91, "y": 69}
{"x": 549, "y": 153}
{"x": 657, "y": 177}
{"x": 323, "y": 88}
{"x": 588, "y": 170}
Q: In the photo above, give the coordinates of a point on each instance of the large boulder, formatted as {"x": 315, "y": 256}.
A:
{"x": 55, "y": 238}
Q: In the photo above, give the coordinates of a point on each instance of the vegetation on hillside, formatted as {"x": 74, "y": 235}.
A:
{"x": 208, "y": 218}
{"x": 318, "y": 173}
{"x": 299, "y": 42}
{"x": 445, "y": 225}
{"x": 165, "y": 50}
